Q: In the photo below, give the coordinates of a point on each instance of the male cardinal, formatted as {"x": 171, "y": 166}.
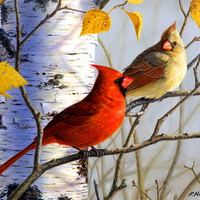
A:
{"x": 90, "y": 121}
{"x": 158, "y": 69}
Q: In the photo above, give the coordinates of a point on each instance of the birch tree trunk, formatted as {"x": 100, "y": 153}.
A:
{"x": 55, "y": 63}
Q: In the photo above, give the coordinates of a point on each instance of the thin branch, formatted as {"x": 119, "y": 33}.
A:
{"x": 141, "y": 191}
{"x": 56, "y": 162}
{"x": 18, "y": 38}
{"x": 192, "y": 169}
{"x": 177, "y": 152}
{"x": 42, "y": 22}
{"x": 37, "y": 116}
{"x": 106, "y": 52}
{"x": 196, "y": 73}
{"x": 172, "y": 168}
{"x": 158, "y": 189}
{"x": 38, "y": 142}
{"x": 185, "y": 18}
{"x": 189, "y": 186}
{"x": 181, "y": 7}
{"x": 162, "y": 119}
{"x": 142, "y": 101}
{"x": 138, "y": 154}
{"x": 96, "y": 190}
{"x": 193, "y": 61}
{"x": 114, "y": 187}
{"x": 195, "y": 39}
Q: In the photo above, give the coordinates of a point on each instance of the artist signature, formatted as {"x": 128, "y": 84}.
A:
{"x": 194, "y": 194}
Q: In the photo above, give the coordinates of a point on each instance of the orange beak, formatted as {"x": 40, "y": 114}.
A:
{"x": 126, "y": 81}
{"x": 166, "y": 46}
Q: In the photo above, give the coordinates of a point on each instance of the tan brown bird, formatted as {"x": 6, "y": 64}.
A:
{"x": 158, "y": 69}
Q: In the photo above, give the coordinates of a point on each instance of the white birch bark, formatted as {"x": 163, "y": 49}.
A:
{"x": 54, "y": 50}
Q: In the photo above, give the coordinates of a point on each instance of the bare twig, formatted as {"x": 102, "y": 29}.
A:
{"x": 158, "y": 189}
{"x": 186, "y": 15}
{"x": 106, "y": 53}
{"x": 191, "y": 184}
{"x": 195, "y": 39}
{"x": 141, "y": 191}
{"x": 56, "y": 162}
{"x": 162, "y": 119}
{"x": 114, "y": 187}
{"x": 96, "y": 190}
{"x": 177, "y": 153}
{"x": 196, "y": 73}
{"x": 193, "y": 61}
{"x": 140, "y": 174}
{"x": 48, "y": 16}
{"x": 39, "y": 141}
{"x": 18, "y": 39}
{"x": 192, "y": 169}
{"x": 181, "y": 7}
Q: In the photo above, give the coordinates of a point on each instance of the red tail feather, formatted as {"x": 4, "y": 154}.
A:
{"x": 12, "y": 160}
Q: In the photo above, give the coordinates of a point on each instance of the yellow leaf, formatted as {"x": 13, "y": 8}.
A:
{"x": 96, "y": 21}
{"x": 135, "y": 1}
{"x": 1, "y": 1}
{"x": 9, "y": 78}
{"x": 136, "y": 18}
{"x": 195, "y": 11}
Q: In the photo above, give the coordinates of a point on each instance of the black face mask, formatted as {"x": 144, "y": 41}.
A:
{"x": 119, "y": 83}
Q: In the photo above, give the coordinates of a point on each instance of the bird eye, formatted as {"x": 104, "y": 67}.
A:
{"x": 175, "y": 43}
{"x": 117, "y": 81}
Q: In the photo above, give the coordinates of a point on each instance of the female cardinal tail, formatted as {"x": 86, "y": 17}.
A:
{"x": 17, "y": 156}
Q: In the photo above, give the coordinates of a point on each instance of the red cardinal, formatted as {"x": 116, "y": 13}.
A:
{"x": 90, "y": 121}
{"x": 158, "y": 69}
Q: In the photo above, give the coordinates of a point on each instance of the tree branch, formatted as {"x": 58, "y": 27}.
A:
{"x": 56, "y": 162}
{"x": 114, "y": 187}
{"x": 162, "y": 119}
{"x": 48, "y": 16}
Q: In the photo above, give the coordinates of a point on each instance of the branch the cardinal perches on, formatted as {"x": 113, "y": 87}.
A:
{"x": 56, "y": 162}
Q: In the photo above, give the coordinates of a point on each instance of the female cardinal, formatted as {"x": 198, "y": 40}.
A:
{"x": 90, "y": 121}
{"x": 158, "y": 69}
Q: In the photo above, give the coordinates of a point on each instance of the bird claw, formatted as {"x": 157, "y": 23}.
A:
{"x": 84, "y": 153}
{"x": 99, "y": 152}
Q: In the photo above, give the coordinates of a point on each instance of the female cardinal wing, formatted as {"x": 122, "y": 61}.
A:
{"x": 144, "y": 72}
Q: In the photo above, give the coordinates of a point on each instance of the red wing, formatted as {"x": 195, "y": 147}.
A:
{"x": 74, "y": 115}
{"x": 143, "y": 74}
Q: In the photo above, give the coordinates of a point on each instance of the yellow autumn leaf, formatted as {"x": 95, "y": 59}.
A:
{"x": 136, "y": 19}
{"x": 135, "y": 1}
{"x": 1, "y": 1}
{"x": 9, "y": 78}
{"x": 195, "y": 11}
{"x": 96, "y": 21}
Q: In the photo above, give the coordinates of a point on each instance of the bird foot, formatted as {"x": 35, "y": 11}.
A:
{"x": 99, "y": 152}
{"x": 84, "y": 153}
